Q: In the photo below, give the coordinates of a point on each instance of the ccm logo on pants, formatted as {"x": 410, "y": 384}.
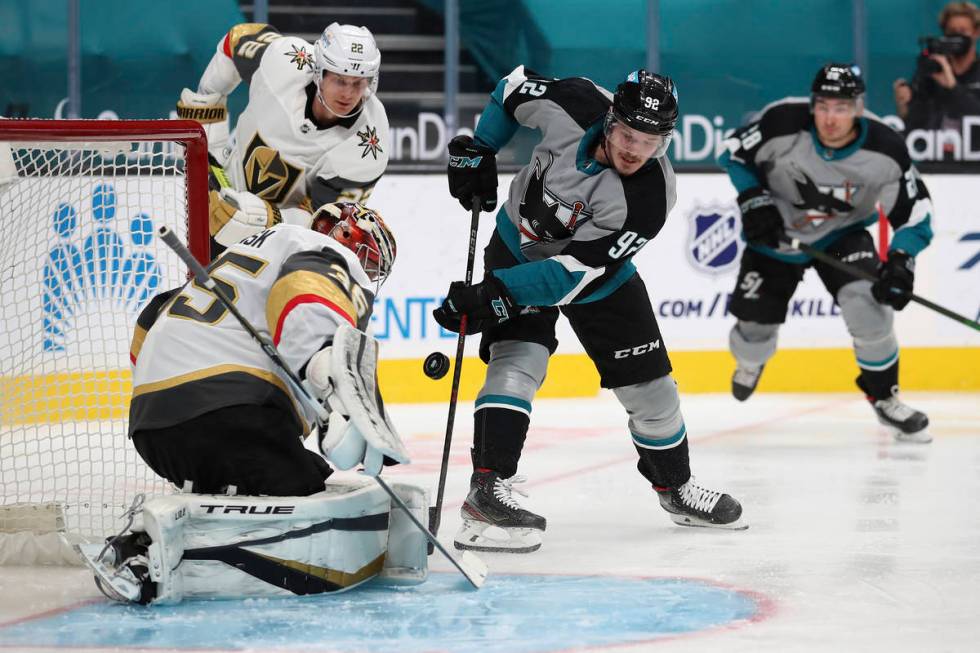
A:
{"x": 639, "y": 349}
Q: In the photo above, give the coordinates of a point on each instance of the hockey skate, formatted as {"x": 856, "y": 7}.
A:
{"x": 906, "y": 423}
{"x": 693, "y": 505}
{"x": 744, "y": 381}
{"x": 494, "y": 521}
{"x": 125, "y": 580}
{"x": 121, "y": 566}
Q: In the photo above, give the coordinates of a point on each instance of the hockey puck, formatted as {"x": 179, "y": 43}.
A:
{"x": 436, "y": 365}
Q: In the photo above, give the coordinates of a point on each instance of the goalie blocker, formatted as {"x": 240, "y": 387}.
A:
{"x": 223, "y": 547}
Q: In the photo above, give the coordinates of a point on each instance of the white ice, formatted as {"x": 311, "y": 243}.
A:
{"x": 856, "y": 543}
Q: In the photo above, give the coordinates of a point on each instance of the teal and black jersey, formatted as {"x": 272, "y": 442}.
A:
{"x": 823, "y": 193}
{"x": 572, "y": 222}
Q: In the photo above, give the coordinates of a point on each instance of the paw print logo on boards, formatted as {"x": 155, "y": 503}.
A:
{"x": 100, "y": 264}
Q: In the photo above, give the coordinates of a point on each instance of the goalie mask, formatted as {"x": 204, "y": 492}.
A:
{"x": 347, "y": 50}
{"x": 362, "y": 231}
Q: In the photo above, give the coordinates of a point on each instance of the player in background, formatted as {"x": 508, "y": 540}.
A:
{"x": 214, "y": 415}
{"x": 596, "y": 190}
{"x": 313, "y": 132}
{"x": 814, "y": 170}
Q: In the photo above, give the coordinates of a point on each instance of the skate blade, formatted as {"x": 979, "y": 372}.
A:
{"x": 683, "y": 520}
{"x": 111, "y": 584}
{"x": 918, "y": 437}
{"x": 480, "y": 536}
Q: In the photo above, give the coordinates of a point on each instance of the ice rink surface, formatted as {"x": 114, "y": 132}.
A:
{"x": 856, "y": 543}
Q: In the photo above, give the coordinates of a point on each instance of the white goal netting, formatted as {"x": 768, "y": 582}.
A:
{"x": 79, "y": 258}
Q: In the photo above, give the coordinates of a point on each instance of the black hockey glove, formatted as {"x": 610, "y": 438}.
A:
{"x": 895, "y": 279}
{"x": 485, "y": 304}
{"x": 762, "y": 223}
{"x": 472, "y": 171}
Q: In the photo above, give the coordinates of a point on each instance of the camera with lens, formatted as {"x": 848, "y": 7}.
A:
{"x": 953, "y": 45}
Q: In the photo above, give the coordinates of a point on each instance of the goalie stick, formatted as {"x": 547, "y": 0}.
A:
{"x": 823, "y": 257}
{"x": 470, "y": 566}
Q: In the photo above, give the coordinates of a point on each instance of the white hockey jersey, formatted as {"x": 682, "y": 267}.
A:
{"x": 191, "y": 356}
{"x": 277, "y": 151}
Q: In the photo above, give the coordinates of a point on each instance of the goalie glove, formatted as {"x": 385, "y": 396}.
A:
{"x": 345, "y": 447}
{"x": 211, "y": 111}
{"x": 344, "y": 377}
{"x": 239, "y": 214}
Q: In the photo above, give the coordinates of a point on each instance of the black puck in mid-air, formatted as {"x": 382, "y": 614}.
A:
{"x": 436, "y": 365}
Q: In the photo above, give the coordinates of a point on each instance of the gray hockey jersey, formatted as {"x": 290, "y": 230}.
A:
{"x": 573, "y": 223}
{"x": 190, "y": 356}
{"x": 823, "y": 193}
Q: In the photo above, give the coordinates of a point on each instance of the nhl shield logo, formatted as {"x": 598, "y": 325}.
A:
{"x": 714, "y": 243}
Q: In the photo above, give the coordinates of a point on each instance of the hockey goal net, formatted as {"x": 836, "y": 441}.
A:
{"x": 80, "y": 205}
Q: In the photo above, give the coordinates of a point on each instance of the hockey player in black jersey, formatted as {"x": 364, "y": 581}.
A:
{"x": 596, "y": 190}
{"x": 815, "y": 171}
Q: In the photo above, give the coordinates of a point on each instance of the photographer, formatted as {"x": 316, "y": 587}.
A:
{"x": 946, "y": 85}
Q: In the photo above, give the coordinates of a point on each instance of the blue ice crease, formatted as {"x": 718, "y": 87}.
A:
{"x": 512, "y": 614}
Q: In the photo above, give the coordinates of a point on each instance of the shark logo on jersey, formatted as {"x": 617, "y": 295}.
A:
{"x": 822, "y": 202}
{"x": 266, "y": 173}
{"x": 544, "y": 216}
{"x": 300, "y": 57}
{"x": 713, "y": 245}
{"x": 370, "y": 142}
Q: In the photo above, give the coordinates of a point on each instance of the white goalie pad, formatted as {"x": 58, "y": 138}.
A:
{"x": 407, "y": 561}
{"x": 354, "y": 377}
{"x": 216, "y": 546}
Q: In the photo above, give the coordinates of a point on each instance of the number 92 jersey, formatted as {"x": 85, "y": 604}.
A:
{"x": 192, "y": 356}
{"x": 575, "y": 222}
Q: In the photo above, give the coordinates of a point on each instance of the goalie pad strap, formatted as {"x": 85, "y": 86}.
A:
{"x": 378, "y": 522}
{"x": 290, "y": 575}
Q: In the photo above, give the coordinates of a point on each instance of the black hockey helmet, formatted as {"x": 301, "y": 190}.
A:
{"x": 647, "y": 102}
{"x": 838, "y": 80}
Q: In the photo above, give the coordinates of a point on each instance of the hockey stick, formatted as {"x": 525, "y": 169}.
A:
{"x": 470, "y": 566}
{"x": 435, "y": 512}
{"x": 823, "y": 257}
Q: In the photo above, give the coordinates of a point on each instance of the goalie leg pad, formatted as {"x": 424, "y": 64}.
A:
{"x": 216, "y": 546}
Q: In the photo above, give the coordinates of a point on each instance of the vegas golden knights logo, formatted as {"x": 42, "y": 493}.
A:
{"x": 266, "y": 174}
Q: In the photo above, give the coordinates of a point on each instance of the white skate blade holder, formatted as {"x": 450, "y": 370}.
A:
{"x": 918, "y": 437}
{"x": 477, "y": 535}
{"x": 685, "y": 520}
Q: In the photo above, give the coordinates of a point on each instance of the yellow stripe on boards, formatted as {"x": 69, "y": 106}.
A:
{"x": 105, "y": 395}
{"x": 402, "y": 380}
{"x": 790, "y": 370}
{"x": 64, "y": 397}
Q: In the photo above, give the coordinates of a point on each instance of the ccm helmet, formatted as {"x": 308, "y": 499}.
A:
{"x": 838, "y": 80}
{"x": 646, "y": 102}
